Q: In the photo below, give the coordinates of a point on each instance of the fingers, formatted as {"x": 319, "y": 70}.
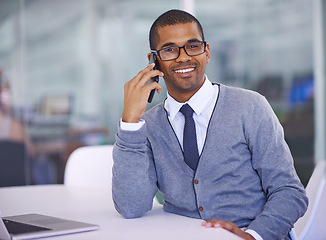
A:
{"x": 213, "y": 223}
{"x": 146, "y": 74}
{"x": 136, "y": 93}
{"x": 229, "y": 226}
{"x": 141, "y": 79}
{"x": 139, "y": 82}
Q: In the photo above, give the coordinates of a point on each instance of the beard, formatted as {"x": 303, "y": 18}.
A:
{"x": 184, "y": 82}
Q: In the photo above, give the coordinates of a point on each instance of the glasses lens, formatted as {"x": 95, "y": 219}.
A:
{"x": 195, "y": 48}
{"x": 169, "y": 53}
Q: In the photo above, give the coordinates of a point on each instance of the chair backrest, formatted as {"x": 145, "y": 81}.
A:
{"x": 90, "y": 166}
{"x": 13, "y": 164}
{"x": 313, "y": 224}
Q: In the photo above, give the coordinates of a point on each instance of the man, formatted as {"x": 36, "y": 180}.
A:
{"x": 237, "y": 174}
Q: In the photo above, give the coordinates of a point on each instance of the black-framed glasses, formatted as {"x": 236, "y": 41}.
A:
{"x": 173, "y": 52}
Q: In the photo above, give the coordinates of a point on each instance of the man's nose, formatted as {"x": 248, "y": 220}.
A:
{"x": 183, "y": 56}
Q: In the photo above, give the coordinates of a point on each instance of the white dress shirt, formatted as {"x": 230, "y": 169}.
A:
{"x": 202, "y": 102}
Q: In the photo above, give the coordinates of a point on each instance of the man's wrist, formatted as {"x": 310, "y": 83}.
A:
{"x": 131, "y": 126}
{"x": 254, "y": 234}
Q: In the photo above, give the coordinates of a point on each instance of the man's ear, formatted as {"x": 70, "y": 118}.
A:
{"x": 208, "y": 53}
{"x": 149, "y": 56}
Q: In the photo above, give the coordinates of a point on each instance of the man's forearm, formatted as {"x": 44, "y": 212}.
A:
{"x": 134, "y": 179}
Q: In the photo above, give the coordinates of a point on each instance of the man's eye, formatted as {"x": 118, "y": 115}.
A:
{"x": 193, "y": 46}
{"x": 169, "y": 49}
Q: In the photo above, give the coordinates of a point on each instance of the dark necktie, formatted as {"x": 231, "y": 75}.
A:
{"x": 190, "y": 148}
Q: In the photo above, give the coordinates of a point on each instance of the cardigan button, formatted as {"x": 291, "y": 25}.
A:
{"x": 196, "y": 181}
{"x": 201, "y": 209}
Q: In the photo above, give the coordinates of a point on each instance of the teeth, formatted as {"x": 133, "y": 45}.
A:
{"x": 184, "y": 70}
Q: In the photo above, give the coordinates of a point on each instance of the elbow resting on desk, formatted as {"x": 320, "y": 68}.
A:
{"x": 132, "y": 211}
{"x": 131, "y": 206}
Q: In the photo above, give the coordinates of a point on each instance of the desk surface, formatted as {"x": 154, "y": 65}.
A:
{"x": 94, "y": 205}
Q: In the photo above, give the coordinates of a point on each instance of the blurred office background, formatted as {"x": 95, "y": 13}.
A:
{"x": 66, "y": 62}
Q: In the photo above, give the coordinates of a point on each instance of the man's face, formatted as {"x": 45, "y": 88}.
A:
{"x": 185, "y": 75}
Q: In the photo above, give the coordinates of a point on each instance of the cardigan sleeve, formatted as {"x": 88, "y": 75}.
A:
{"x": 133, "y": 174}
{"x": 286, "y": 200}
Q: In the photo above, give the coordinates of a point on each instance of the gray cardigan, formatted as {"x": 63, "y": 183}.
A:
{"x": 245, "y": 173}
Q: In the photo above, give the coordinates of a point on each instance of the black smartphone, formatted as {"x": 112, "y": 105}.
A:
{"x": 156, "y": 78}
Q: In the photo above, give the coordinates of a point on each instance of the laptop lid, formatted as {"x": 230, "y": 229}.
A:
{"x": 52, "y": 226}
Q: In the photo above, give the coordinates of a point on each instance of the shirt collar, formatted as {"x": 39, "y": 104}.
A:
{"x": 197, "y": 102}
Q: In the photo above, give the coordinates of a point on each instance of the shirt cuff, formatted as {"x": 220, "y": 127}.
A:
{"x": 254, "y": 234}
{"x": 131, "y": 126}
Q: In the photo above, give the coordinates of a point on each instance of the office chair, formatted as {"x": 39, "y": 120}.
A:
{"x": 313, "y": 224}
{"x": 90, "y": 166}
{"x": 14, "y": 166}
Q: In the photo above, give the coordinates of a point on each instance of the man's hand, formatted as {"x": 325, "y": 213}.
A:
{"x": 136, "y": 94}
{"x": 231, "y": 227}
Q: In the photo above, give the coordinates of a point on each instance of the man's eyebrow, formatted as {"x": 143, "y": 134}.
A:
{"x": 173, "y": 44}
{"x": 194, "y": 40}
{"x": 167, "y": 44}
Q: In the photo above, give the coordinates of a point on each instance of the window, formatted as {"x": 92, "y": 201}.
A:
{"x": 77, "y": 53}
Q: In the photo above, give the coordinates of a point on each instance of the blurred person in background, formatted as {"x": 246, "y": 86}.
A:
{"x": 11, "y": 129}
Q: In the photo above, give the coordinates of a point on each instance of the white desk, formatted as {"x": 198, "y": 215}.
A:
{"x": 94, "y": 205}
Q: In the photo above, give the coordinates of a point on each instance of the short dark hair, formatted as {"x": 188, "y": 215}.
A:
{"x": 169, "y": 18}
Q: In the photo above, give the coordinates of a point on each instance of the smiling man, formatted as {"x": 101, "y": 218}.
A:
{"x": 215, "y": 152}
